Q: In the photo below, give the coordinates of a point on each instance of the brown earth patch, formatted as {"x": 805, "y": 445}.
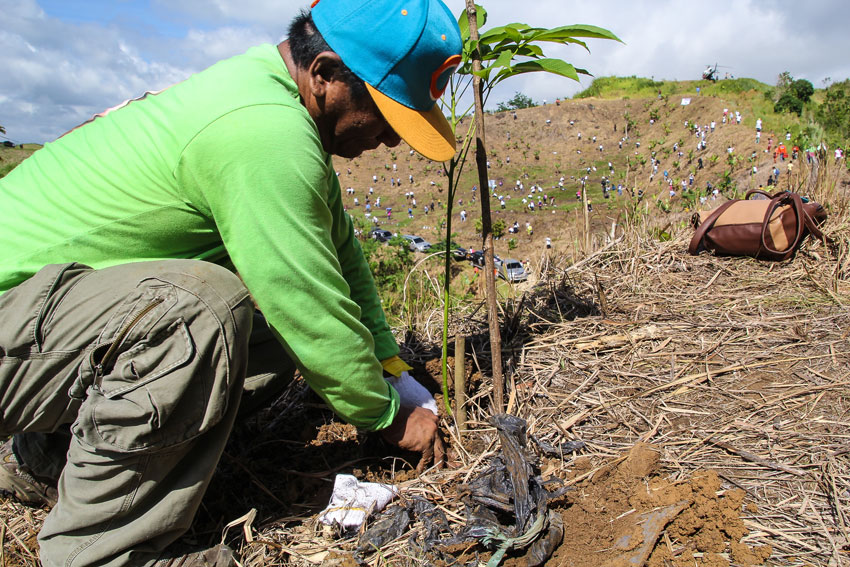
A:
{"x": 609, "y": 512}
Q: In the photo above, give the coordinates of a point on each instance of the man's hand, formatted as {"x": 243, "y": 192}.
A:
{"x": 417, "y": 429}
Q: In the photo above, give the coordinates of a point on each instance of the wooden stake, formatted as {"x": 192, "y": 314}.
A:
{"x": 460, "y": 382}
{"x": 586, "y": 219}
{"x": 486, "y": 221}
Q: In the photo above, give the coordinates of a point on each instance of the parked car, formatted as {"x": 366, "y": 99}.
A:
{"x": 512, "y": 271}
{"x": 417, "y": 243}
{"x": 459, "y": 253}
{"x": 477, "y": 259}
{"x": 380, "y": 234}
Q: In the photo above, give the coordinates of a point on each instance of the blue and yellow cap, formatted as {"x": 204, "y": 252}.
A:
{"x": 405, "y": 51}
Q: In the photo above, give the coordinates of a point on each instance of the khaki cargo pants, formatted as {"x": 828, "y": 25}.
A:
{"x": 146, "y": 362}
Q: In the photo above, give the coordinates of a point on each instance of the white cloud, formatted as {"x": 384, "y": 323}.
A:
{"x": 272, "y": 16}
{"x": 221, "y": 43}
{"x": 56, "y": 74}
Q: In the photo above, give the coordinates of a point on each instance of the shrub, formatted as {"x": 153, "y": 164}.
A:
{"x": 788, "y": 103}
{"x": 802, "y": 89}
{"x": 498, "y": 228}
{"x": 519, "y": 100}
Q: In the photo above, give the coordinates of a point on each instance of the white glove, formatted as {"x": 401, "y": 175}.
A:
{"x": 413, "y": 394}
{"x": 352, "y": 501}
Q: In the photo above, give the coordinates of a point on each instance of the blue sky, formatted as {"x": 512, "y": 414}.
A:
{"x": 138, "y": 15}
{"x": 64, "y": 60}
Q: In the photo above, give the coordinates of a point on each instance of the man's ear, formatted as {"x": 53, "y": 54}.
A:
{"x": 323, "y": 71}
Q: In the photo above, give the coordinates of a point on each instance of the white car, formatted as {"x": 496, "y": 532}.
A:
{"x": 512, "y": 271}
{"x": 417, "y": 243}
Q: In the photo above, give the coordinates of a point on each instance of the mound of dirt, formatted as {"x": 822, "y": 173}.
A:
{"x": 626, "y": 514}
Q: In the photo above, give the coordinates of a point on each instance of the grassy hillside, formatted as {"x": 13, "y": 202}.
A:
{"x": 758, "y": 97}
{"x": 639, "y": 87}
{"x": 11, "y": 157}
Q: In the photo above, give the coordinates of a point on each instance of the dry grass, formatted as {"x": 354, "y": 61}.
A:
{"x": 724, "y": 363}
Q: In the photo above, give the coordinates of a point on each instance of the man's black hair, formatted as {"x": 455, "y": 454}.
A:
{"x": 306, "y": 42}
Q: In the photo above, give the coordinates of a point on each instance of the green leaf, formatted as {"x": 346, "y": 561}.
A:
{"x": 575, "y": 41}
{"x": 484, "y": 73}
{"x": 493, "y": 35}
{"x": 530, "y": 50}
{"x": 504, "y": 59}
{"x": 564, "y": 33}
{"x": 463, "y": 21}
{"x": 555, "y": 66}
{"x": 513, "y": 32}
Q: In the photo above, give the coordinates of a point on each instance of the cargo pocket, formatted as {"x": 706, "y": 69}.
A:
{"x": 148, "y": 388}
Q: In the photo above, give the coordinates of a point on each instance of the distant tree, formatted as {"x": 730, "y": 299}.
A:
{"x": 519, "y": 100}
{"x": 802, "y": 89}
{"x": 791, "y": 95}
{"x": 783, "y": 85}
{"x": 784, "y": 80}
{"x": 788, "y": 103}
{"x": 834, "y": 113}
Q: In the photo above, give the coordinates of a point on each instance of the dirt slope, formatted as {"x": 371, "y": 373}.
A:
{"x": 541, "y": 145}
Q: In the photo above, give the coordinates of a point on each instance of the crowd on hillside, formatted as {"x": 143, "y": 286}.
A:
{"x": 772, "y": 160}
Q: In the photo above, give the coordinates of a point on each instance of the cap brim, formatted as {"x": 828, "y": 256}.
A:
{"x": 427, "y": 132}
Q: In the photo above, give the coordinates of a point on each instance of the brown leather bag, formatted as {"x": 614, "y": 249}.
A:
{"x": 767, "y": 229}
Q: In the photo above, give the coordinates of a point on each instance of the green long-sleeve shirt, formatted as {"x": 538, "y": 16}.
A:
{"x": 226, "y": 166}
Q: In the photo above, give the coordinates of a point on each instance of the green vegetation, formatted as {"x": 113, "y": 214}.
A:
{"x": 791, "y": 95}
{"x": 618, "y": 87}
{"x": 519, "y": 100}
{"x": 733, "y": 86}
{"x": 498, "y": 228}
{"x": 441, "y": 245}
{"x": 11, "y": 157}
{"x": 638, "y": 87}
{"x": 6, "y": 168}
{"x": 834, "y": 113}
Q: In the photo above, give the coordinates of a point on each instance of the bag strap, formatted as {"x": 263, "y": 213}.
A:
{"x": 761, "y": 192}
{"x": 796, "y": 204}
{"x": 813, "y": 227}
{"x": 696, "y": 242}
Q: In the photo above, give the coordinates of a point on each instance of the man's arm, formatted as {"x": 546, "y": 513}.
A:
{"x": 266, "y": 183}
{"x": 356, "y": 272}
